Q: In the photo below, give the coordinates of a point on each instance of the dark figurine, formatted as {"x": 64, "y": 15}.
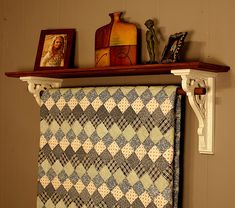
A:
{"x": 151, "y": 40}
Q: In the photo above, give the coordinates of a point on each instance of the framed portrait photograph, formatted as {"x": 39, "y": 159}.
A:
{"x": 172, "y": 50}
{"x": 55, "y": 49}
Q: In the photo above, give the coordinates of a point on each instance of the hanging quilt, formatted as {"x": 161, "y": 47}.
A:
{"x": 109, "y": 147}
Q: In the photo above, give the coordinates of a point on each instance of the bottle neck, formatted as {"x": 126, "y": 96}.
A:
{"x": 115, "y": 16}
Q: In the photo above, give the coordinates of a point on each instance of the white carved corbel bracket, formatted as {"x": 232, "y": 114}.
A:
{"x": 38, "y": 84}
{"x": 202, "y": 105}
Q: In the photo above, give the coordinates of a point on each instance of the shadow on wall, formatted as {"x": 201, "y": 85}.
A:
{"x": 192, "y": 51}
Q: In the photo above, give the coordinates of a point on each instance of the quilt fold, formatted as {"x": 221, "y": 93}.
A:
{"x": 109, "y": 147}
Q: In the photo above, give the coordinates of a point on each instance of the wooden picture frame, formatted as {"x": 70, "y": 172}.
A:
{"x": 55, "y": 49}
{"x": 172, "y": 50}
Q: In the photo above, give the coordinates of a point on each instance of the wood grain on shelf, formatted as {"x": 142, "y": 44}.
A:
{"x": 148, "y": 69}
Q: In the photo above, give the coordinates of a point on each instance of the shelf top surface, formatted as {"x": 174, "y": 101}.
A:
{"x": 148, "y": 69}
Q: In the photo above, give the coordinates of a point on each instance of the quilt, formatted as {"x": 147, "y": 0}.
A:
{"x": 109, "y": 147}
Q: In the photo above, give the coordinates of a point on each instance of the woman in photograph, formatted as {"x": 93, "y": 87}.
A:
{"x": 55, "y": 55}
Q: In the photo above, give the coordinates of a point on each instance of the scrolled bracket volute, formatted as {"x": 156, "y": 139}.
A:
{"x": 202, "y": 105}
{"x": 36, "y": 85}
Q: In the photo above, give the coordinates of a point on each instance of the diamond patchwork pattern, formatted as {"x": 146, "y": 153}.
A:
{"x": 114, "y": 147}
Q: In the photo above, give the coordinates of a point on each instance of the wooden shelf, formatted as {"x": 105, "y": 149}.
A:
{"x": 149, "y": 69}
{"x": 198, "y": 83}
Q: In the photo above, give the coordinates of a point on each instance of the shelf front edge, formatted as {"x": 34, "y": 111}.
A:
{"x": 148, "y": 69}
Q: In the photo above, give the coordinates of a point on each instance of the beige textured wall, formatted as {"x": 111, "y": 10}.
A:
{"x": 208, "y": 180}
